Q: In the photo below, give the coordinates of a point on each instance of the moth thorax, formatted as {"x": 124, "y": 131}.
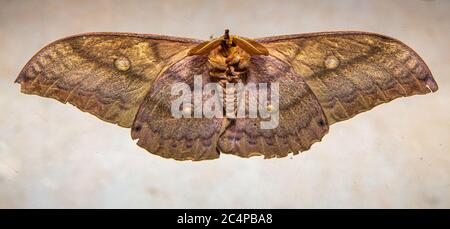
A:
{"x": 228, "y": 64}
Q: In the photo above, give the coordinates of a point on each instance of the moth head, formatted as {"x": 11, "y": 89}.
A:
{"x": 227, "y": 43}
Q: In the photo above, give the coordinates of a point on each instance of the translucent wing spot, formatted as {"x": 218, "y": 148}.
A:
{"x": 271, "y": 109}
{"x": 122, "y": 64}
{"x": 331, "y": 62}
{"x": 187, "y": 111}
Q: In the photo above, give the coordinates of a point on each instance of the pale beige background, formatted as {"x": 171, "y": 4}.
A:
{"x": 53, "y": 155}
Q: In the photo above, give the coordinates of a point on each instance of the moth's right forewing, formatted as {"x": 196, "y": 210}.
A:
{"x": 352, "y": 72}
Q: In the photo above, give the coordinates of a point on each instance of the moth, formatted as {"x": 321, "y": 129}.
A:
{"x": 323, "y": 78}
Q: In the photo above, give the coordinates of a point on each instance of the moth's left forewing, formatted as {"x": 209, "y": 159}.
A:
{"x": 352, "y": 72}
{"x": 105, "y": 74}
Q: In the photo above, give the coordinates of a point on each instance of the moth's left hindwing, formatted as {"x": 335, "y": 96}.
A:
{"x": 105, "y": 74}
{"x": 179, "y": 138}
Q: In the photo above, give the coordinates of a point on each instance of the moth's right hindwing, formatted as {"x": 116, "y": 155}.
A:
{"x": 301, "y": 121}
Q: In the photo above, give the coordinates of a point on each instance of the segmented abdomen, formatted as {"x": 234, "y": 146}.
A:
{"x": 229, "y": 94}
